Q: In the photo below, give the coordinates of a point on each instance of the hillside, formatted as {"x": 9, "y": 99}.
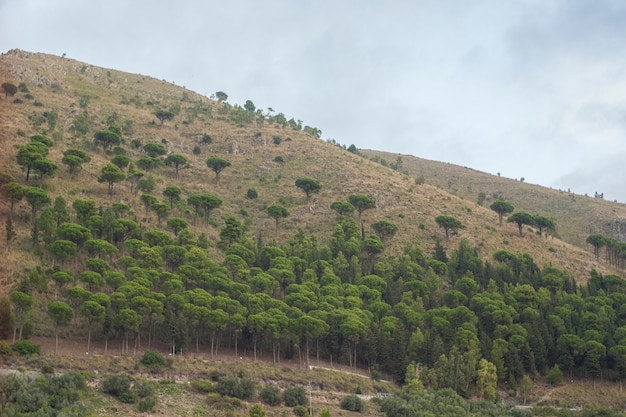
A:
{"x": 58, "y": 84}
{"x": 138, "y": 214}
{"x": 577, "y": 216}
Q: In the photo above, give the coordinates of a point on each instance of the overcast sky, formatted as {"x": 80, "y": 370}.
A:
{"x": 533, "y": 89}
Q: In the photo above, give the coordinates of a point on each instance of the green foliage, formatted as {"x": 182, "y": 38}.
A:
{"x": 256, "y": 411}
{"x": 252, "y": 194}
{"x": 203, "y": 386}
{"x": 270, "y": 395}
{"x": 116, "y": 385}
{"x": 9, "y": 89}
{"x": 310, "y": 186}
{"x": 147, "y": 404}
{"x": 521, "y": 218}
{"x": 241, "y": 388}
{"x": 164, "y": 115}
{"x": 294, "y": 396}
{"x": 352, "y": 403}
{"x": 26, "y": 347}
{"x": 152, "y": 358}
{"x": 217, "y": 164}
{"x": 300, "y": 411}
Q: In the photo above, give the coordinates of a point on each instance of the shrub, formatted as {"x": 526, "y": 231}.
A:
{"x": 5, "y": 348}
{"x": 202, "y": 385}
{"x": 294, "y": 396}
{"x": 352, "y": 403}
{"x": 128, "y": 397}
{"x": 144, "y": 389}
{"x": 152, "y": 357}
{"x": 196, "y": 150}
{"x": 270, "y": 395}
{"x": 26, "y": 347}
{"x": 237, "y": 388}
{"x": 300, "y": 411}
{"x": 279, "y": 159}
{"x": 252, "y": 194}
{"x": 256, "y": 411}
{"x": 116, "y": 385}
{"x": 147, "y": 404}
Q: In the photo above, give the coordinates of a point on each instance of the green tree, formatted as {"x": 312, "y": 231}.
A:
{"x": 204, "y": 204}
{"x": 362, "y": 202}
{"x": 544, "y": 223}
{"x": 29, "y": 153}
{"x": 44, "y": 168}
{"x": 521, "y": 218}
{"x": 177, "y": 161}
{"x": 597, "y": 241}
{"x": 249, "y": 106}
{"x": 217, "y": 164}
{"x": 343, "y": 208}
{"x": 22, "y": 306}
{"x": 9, "y": 89}
{"x": 310, "y": 186}
{"x": 111, "y": 174}
{"x": 154, "y": 150}
{"x": 107, "y": 139}
{"x": 161, "y": 210}
{"x": 94, "y": 313}
{"x": 173, "y": 194}
{"x": 42, "y": 139}
{"x": 277, "y": 212}
{"x": 61, "y": 315}
{"x": 62, "y": 250}
{"x": 487, "y": 380}
{"x": 128, "y": 321}
{"x": 61, "y": 215}
{"x": 12, "y": 192}
{"x": 37, "y": 199}
{"x": 501, "y": 207}
{"x": 525, "y": 388}
{"x": 448, "y": 223}
{"x": 384, "y": 229}
{"x": 176, "y": 224}
{"x": 221, "y": 96}
{"x": 121, "y": 161}
{"x": 164, "y": 115}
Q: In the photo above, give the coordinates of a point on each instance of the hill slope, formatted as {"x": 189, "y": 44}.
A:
{"x": 577, "y": 216}
{"x": 266, "y": 156}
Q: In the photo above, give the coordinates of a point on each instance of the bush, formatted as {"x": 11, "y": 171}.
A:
{"x": 256, "y": 411}
{"x": 147, "y": 404}
{"x": 116, "y": 385}
{"x": 270, "y": 395}
{"x": 279, "y": 159}
{"x": 128, "y": 397}
{"x": 300, "y": 411}
{"x": 294, "y": 396}
{"x": 144, "y": 389}
{"x": 5, "y": 348}
{"x": 202, "y": 385}
{"x": 252, "y": 194}
{"x": 152, "y": 357}
{"x": 238, "y": 388}
{"x": 352, "y": 403}
{"x": 26, "y": 347}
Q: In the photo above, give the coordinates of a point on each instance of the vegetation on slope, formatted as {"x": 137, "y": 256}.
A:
{"x": 252, "y": 239}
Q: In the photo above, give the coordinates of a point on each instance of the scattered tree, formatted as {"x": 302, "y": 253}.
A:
{"x": 501, "y": 207}
{"x": 521, "y": 218}
{"x": 310, "y": 186}
{"x": 177, "y": 161}
{"x": 111, "y": 174}
{"x": 277, "y": 212}
{"x": 217, "y": 164}
{"x": 221, "y": 96}
{"x": 164, "y": 115}
{"x": 449, "y": 223}
{"x": 29, "y": 153}
{"x": 107, "y": 139}
{"x": 9, "y": 89}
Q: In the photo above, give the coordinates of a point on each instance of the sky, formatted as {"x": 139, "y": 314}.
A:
{"x": 529, "y": 89}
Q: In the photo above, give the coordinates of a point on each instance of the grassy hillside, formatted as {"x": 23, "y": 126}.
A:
{"x": 255, "y": 148}
{"x": 577, "y": 216}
